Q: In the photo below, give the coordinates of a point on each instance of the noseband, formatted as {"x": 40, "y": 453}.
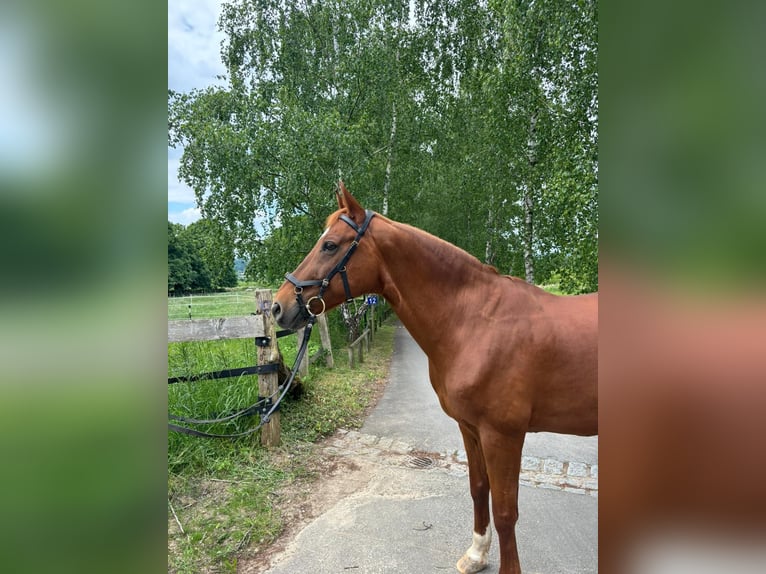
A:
{"x": 339, "y": 268}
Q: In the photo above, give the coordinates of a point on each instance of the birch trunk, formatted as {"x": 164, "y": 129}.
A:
{"x": 529, "y": 230}
{"x": 529, "y": 262}
{"x": 391, "y": 139}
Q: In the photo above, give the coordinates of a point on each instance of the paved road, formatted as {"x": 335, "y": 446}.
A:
{"x": 394, "y": 514}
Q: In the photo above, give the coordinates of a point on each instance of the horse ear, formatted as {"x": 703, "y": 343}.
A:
{"x": 348, "y": 201}
{"x": 339, "y": 193}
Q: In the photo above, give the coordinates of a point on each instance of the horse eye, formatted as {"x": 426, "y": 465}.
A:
{"x": 329, "y": 246}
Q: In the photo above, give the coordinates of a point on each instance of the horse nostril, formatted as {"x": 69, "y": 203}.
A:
{"x": 276, "y": 309}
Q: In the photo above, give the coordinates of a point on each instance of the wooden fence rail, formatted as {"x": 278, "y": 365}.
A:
{"x": 185, "y": 330}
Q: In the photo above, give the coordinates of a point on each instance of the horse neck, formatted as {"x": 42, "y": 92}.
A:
{"x": 428, "y": 282}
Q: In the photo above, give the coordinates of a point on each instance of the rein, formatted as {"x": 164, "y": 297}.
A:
{"x": 305, "y": 306}
{"x": 264, "y": 405}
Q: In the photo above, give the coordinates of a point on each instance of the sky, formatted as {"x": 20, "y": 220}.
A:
{"x": 194, "y": 61}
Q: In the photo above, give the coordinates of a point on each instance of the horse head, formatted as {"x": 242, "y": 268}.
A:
{"x": 339, "y": 267}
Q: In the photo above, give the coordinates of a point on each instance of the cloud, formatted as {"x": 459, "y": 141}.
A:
{"x": 185, "y": 216}
{"x": 194, "y": 42}
{"x": 194, "y": 61}
{"x": 178, "y": 192}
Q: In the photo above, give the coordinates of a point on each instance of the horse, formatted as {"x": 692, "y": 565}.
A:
{"x": 504, "y": 357}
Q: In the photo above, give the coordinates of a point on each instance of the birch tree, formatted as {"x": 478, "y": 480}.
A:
{"x": 475, "y": 120}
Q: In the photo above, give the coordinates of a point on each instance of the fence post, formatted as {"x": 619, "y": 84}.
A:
{"x": 268, "y": 383}
{"x": 324, "y": 334}
{"x": 371, "y": 323}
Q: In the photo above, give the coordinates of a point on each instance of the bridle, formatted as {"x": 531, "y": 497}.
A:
{"x": 305, "y": 306}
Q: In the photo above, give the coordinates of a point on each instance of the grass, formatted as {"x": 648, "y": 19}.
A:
{"x": 239, "y": 301}
{"x": 227, "y": 493}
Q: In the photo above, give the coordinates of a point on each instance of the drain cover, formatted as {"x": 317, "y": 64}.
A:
{"x": 420, "y": 462}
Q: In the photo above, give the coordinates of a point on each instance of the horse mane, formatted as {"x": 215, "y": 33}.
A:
{"x": 453, "y": 255}
{"x": 458, "y": 258}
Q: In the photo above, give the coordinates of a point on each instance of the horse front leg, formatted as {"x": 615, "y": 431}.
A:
{"x": 502, "y": 456}
{"x": 476, "y": 557}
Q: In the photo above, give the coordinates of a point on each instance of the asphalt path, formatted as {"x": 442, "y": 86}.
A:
{"x": 391, "y": 517}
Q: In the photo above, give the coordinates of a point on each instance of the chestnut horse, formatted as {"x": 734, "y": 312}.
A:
{"x": 504, "y": 357}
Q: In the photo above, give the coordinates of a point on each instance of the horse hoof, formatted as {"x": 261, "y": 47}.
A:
{"x": 467, "y": 565}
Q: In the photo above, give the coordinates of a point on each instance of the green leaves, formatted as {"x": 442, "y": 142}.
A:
{"x": 200, "y": 258}
{"x": 448, "y": 115}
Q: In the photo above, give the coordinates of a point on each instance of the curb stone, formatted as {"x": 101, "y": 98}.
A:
{"x": 568, "y": 476}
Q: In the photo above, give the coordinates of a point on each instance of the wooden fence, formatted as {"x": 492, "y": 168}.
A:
{"x": 374, "y": 318}
{"x": 262, "y": 329}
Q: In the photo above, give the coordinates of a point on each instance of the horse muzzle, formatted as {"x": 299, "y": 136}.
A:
{"x": 288, "y": 316}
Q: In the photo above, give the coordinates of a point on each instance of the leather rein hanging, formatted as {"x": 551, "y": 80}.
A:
{"x": 266, "y": 406}
{"x": 305, "y": 306}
